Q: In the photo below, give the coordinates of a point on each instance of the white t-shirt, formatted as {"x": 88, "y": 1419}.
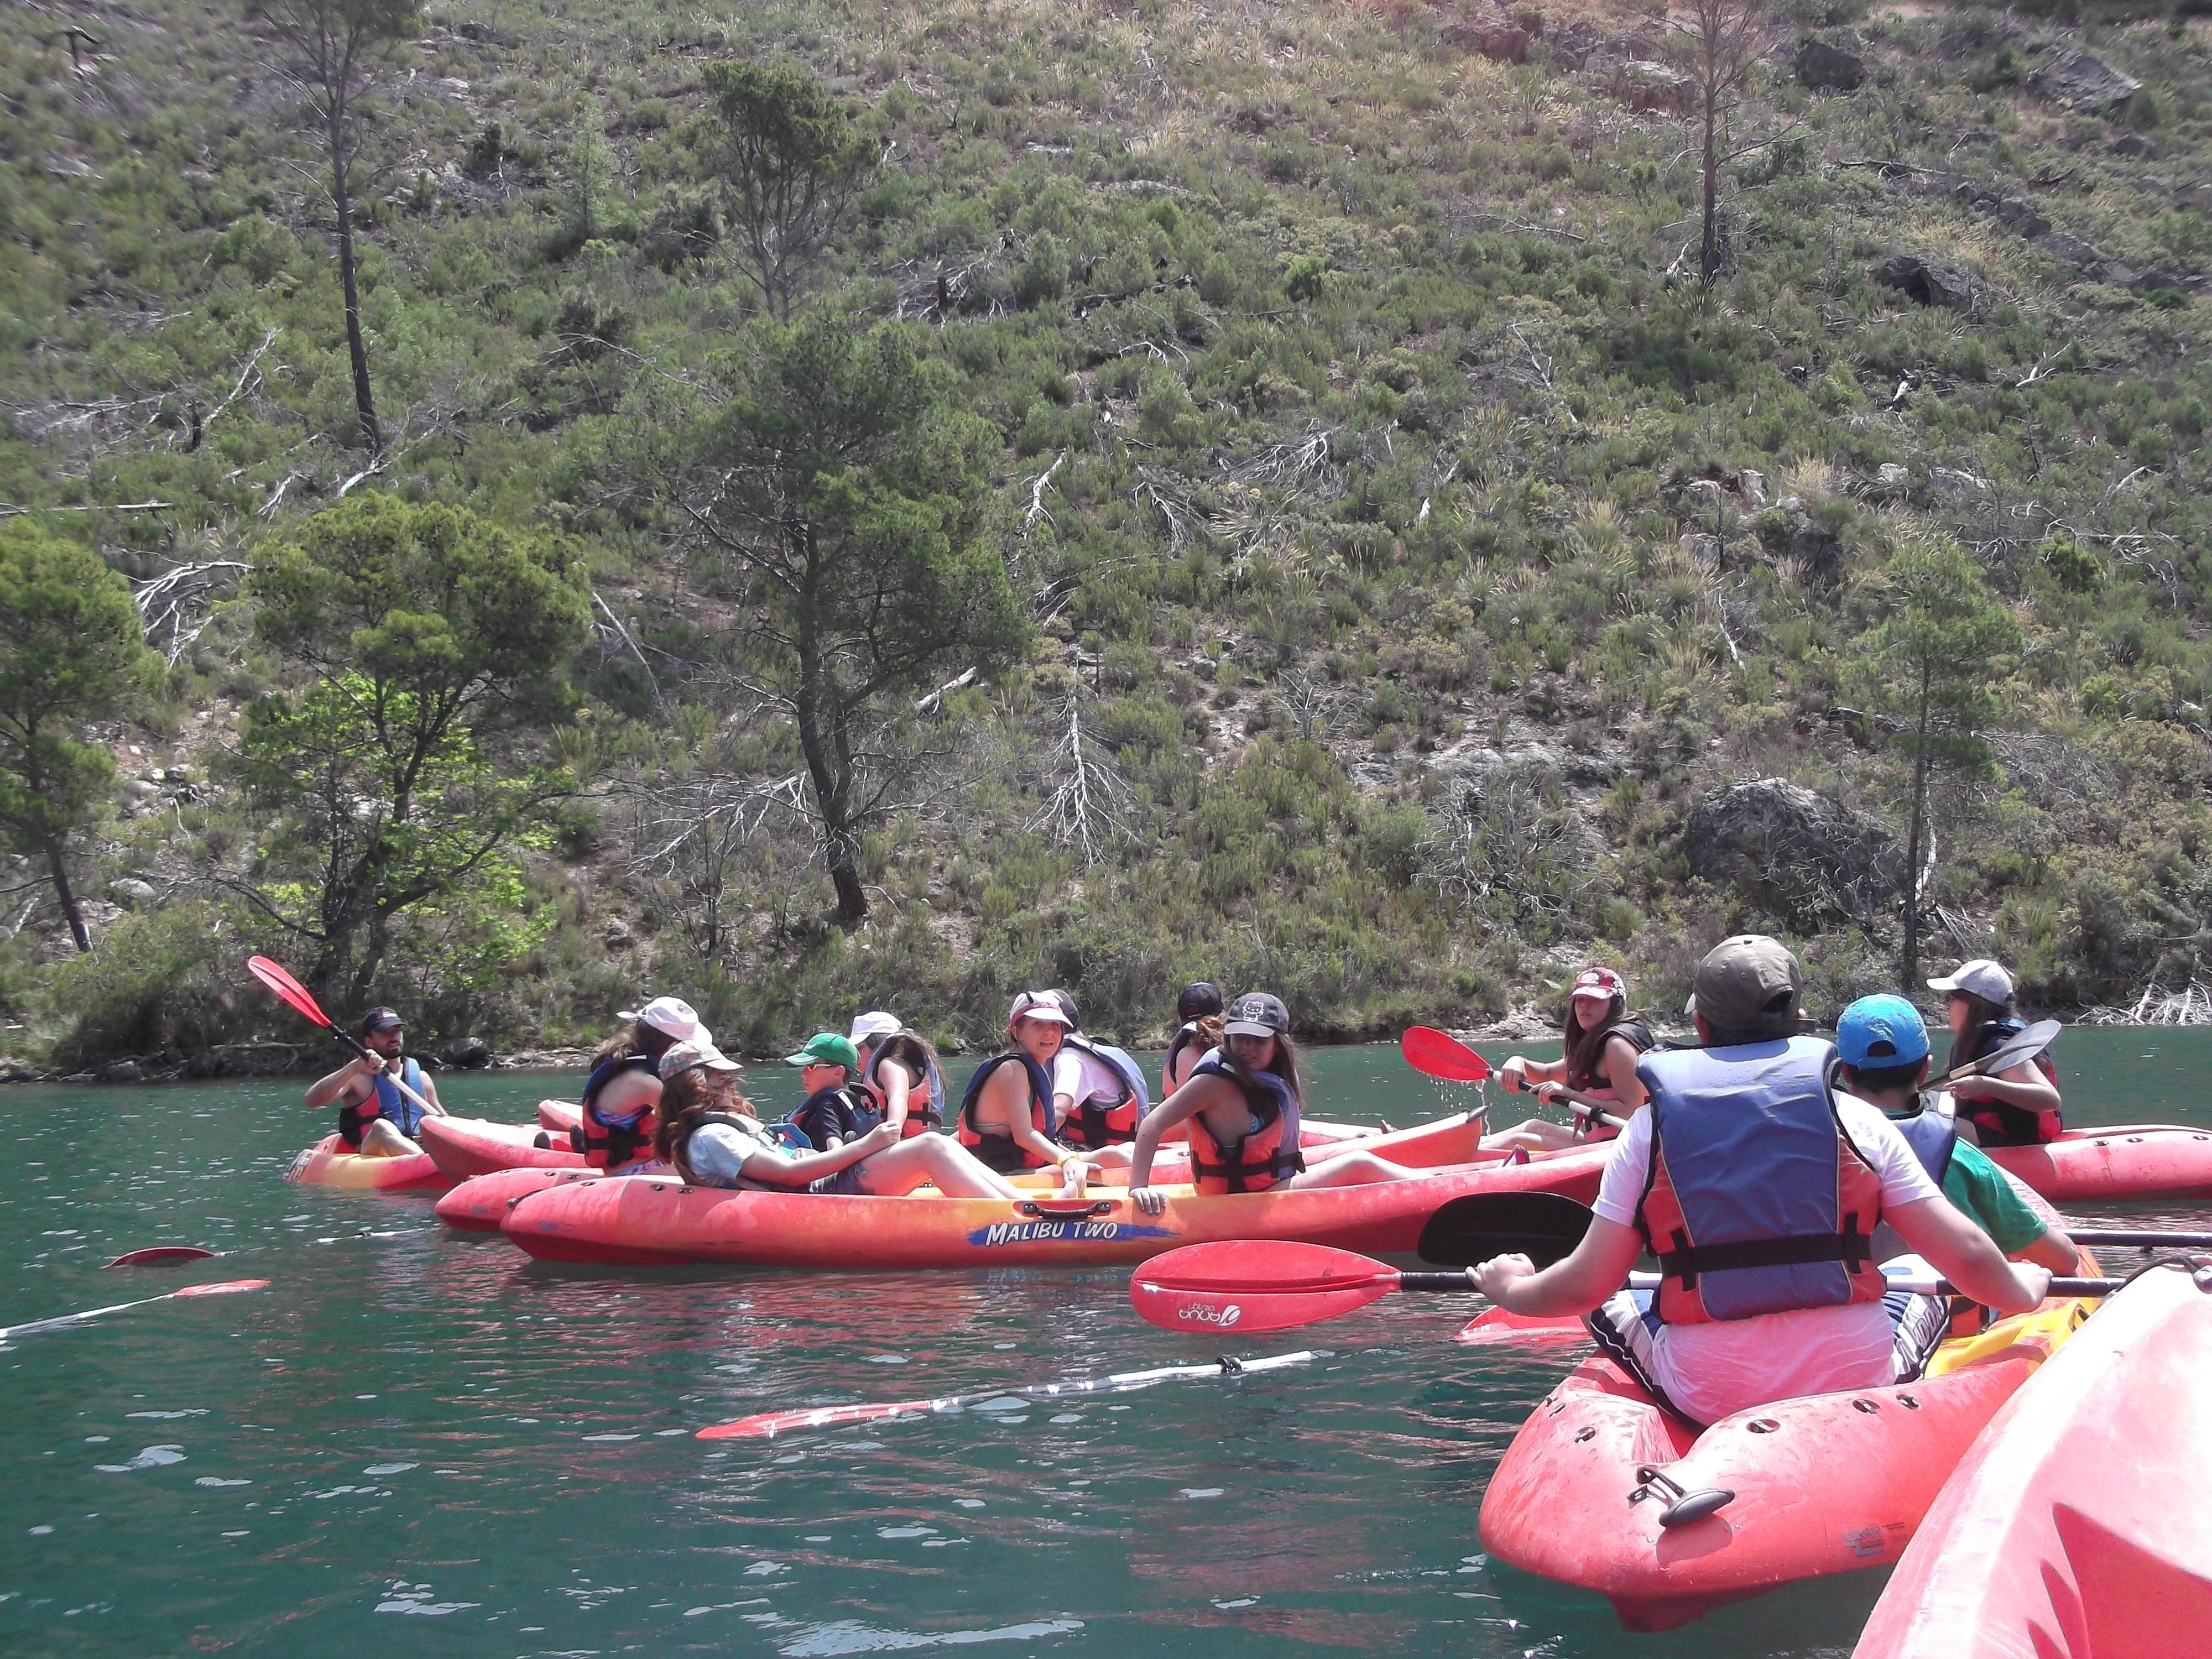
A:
{"x": 1080, "y": 1077}
{"x": 1727, "y": 1365}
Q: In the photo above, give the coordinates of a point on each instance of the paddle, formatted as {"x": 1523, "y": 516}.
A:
{"x": 1263, "y": 1284}
{"x": 295, "y": 995}
{"x": 139, "y": 1258}
{"x": 1543, "y": 1226}
{"x": 229, "y": 1287}
{"x": 768, "y": 1425}
{"x": 2027, "y": 1045}
{"x": 1440, "y": 1054}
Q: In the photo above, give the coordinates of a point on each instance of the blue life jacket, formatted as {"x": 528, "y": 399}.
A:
{"x": 1756, "y": 1202}
{"x": 1095, "y": 1123}
{"x": 994, "y": 1147}
{"x": 1265, "y": 1155}
{"x": 387, "y": 1102}
{"x": 1933, "y": 1137}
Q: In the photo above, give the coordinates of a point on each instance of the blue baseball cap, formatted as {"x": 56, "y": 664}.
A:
{"x": 1878, "y": 1032}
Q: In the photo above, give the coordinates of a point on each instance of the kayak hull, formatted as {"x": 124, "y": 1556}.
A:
{"x": 1826, "y": 1484}
{"x": 2126, "y": 1161}
{"x": 2077, "y": 1524}
{"x": 480, "y": 1204}
{"x": 463, "y": 1147}
{"x": 655, "y": 1220}
{"x": 559, "y": 1115}
{"x": 328, "y": 1164}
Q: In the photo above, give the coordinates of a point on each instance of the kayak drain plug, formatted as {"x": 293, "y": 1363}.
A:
{"x": 1695, "y": 1506}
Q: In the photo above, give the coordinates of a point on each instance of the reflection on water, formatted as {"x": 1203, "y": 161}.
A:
{"x": 414, "y": 1425}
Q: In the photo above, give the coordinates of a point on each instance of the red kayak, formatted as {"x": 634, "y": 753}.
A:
{"x": 648, "y": 1220}
{"x": 2124, "y": 1160}
{"x": 480, "y": 1204}
{"x": 465, "y": 1147}
{"x": 1604, "y": 1490}
{"x": 2078, "y": 1525}
{"x": 331, "y": 1162}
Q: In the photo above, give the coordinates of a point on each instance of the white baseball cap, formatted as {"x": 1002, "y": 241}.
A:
{"x": 672, "y": 1016}
{"x": 1981, "y": 977}
{"x": 867, "y": 1027}
{"x": 1038, "y": 1004}
{"x": 684, "y": 1056}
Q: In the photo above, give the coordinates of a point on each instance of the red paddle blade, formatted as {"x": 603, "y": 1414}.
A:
{"x": 1441, "y": 1055}
{"x": 270, "y": 975}
{"x": 229, "y": 1287}
{"x": 1255, "y": 1284}
{"x": 158, "y": 1253}
{"x": 1498, "y": 1325}
{"x": 768, "y": 1425}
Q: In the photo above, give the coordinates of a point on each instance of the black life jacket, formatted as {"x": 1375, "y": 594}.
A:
{"x": 1188, "y": 1037}
{"x": 845, "y": 1111}
{"x": 989, "y": 1143}
{"x": 1095, "y": 1123}
{"x": 1265, "y": 1155}
{"x": 607, "y": 1144}
{"x": 1645, "y": 1041}
{"x": 1998, "y": 1123}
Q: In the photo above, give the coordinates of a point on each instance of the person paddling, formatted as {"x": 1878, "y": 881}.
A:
{"x": 1883, "y": 1046}
{"x": 899, "y": 1069}
{"x": 1198, "y": 1017}
{"x": 1758, "y": 1188}
{"x": 1006, "y": 1117}
{"x": 2019, "y": 1106}
{"x": 1242, "y": 1103}
{"x": 616, "y": 1126}
{"x": 710, "y": 1135}
{"x": 1603, "y": 1043}
{"x": 837, "y": 1108}
{"x": 374, "y": 1118}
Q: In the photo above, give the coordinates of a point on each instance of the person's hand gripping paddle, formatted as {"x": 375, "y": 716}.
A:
{"x": 295, "y": 996}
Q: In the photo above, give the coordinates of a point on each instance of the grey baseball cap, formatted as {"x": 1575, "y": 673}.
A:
{"x": 1748, "y": 983}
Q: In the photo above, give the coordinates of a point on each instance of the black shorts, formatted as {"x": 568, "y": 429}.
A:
{"x": 846, "y": 1183}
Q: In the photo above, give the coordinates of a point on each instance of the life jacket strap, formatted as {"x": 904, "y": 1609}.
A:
{"x": 1851, "y": 1247}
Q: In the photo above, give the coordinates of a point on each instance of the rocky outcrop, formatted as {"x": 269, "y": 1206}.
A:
{"x": 2081, "y": 81}
{"x": 1831, "y": 63}
{"x": 1795, "y": 854}
{"x": 466, "y": 1053}
{"x": 1931, "y": 281}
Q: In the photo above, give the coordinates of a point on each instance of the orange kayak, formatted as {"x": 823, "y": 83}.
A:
{"x": 480, "y": 1204}
{"x": 2077, "y": 1525}
{"x": 1600, "y": 1487}
{"x": 465, "y": 1146}
{"x": 328, "y": 1164}
{"x": 654, "y": 1219}
{"x": 2126, "y": 1160}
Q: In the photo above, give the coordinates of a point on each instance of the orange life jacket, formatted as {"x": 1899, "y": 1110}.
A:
{"x": 1266, "y": 1155}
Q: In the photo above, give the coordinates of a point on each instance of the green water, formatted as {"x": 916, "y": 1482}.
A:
{"x": 415, "y": 1436}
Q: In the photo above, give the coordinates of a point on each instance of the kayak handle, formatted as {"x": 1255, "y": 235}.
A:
{"x": 1695, "y": 1506}
{"x": 1064, "y": 1211}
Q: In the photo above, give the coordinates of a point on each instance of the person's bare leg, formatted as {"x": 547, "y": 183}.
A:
{"x": 1537, "y": 1135}
{"x": 897, "y": 1170}
{"x": 380, "y": 1140}
{"x": 1355, "y": 1170}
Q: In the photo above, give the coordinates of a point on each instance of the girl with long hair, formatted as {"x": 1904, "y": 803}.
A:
{"x": 1603, "y": 1041}
{"x": 2019, "y": 1106}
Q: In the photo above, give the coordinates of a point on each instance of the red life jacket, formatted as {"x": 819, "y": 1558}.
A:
{"x": 1095, "y": 1123}
{"x": 995, "y": 1146}
{"x": 1999, "y": 1124}
{"x": 1757, "y": 1202}
{"x": 925, "y": 1098}
{"x": 1266, "y": 1155}
{"x": 607, "y": 1142}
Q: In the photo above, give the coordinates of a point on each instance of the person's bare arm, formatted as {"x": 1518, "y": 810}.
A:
{"x": 1621, "y": 1059}
{"x": 2023, "y": 1086}
{"x": 1178, "y": 1107}
{"x": 332, "y": 1090}
{"x": 1599, "y": 1266}
{"x": 2055, "y": 1251}
{"x": 893, "y": 1080}
{"x": 1005, "y": 1105}
{"x": 774, "y": 1169}
{"x": 436, "y": 1107}
{"x": 1967, "y": 1257}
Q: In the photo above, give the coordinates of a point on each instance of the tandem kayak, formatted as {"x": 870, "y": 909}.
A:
{"x": 2077, "y": 1524}
{"x": 328, "y": 1164}
{"x": 2126, "y": 1160}
{"x": 1605, "y": 1490}
{"x": 654, "y": 1220}
{"x": 463, "y": 1147}
{"x": 480, "y": 1204}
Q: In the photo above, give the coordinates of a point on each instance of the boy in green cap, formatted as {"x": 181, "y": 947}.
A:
{"x": 836, "y": 1109}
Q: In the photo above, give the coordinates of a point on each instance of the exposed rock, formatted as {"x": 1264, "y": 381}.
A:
{"x": 2017, "y": 214}
{"x": 2135, "y": 145}
{"x": 122, "y": 1070}
{"x": 1793, "y": 853}
{"x": 2165, "y": 277}
{"x": 1649, "y": 86}
{"x": 1571, "y": 44}
{"x": 1788, "y": 532}
{"x": 1754, "y": 486}
{"x": 466, "y": 1053}
{"x": 1835, "y": 63}
{"x": 616, "y": 934}
{"x": 1978, "y": 30}
{"x": 1701, "y": 547}
{"x": 2069, "y": 249}
{"x": 1500, "y": 42}
{"x": 1891, "y": 480}
{"x": 130, "y": 892}
{"x": 1931, "y": 281}
{"x": 2081, "y": 81}
{"x": 1702, "y": 494}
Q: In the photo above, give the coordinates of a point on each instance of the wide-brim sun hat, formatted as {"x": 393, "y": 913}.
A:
{"x": 669, "y": 1016}
{"x": 877, "y": 1023}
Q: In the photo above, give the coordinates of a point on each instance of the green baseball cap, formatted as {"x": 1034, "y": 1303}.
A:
{"x": 826, "y": 1049}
